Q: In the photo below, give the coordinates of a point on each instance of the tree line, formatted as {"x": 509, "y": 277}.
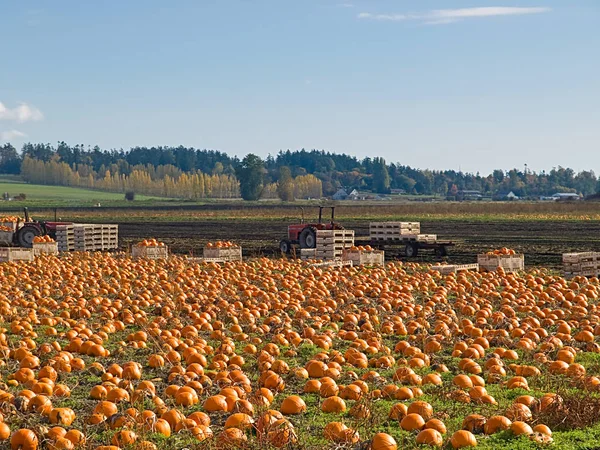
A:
{"x": 180, "y": 171}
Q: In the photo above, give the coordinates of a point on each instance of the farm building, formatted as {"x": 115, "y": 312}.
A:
{"x": 341, "y": 194}
{"x": 566, "y": 196}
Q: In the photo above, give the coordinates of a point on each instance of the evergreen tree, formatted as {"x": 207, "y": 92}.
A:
{"x": 381, "y": 177}
{"x": 250, "y": 174}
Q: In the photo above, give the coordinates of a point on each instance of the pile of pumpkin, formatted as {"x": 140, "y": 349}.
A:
{"x": 502, "y": 252}
{"x": 9, "y": 219}
{"x": 221, "y": 244}
{"x": 176, "y": 352}
{"x": 45, "y": 239}
{"x": 152, "y": 242}
{"x": 5, "y": 228}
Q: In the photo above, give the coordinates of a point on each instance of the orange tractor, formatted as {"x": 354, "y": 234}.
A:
{"x": 305, "y": 234}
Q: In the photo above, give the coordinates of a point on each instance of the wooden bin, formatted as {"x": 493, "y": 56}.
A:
{"x": 225, "y": 253}
{"x": 446, "y": 269}
{"x": 158, "y": 252}
{"x": 308, "y": 254}
{"x": 16, "y": 254}
{"x": 585, "y": 264}
{"x": 510, "y": 263}
{"x": 363, "y": 257}
{"x": 41, "y": 248}
{"x": 6, "y": 237}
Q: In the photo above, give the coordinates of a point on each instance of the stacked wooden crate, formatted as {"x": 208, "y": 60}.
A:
{"x": 8, "y": 254}
{"x": 224, "y": 253}
{"x": 510, "y": 263}
{"x": 308, "y": 254}
{"x": 150, "y": 252}
{"x": 88, "y": 237}
{"x": 360, "y": 256}
{"x": 331, "y": 243}
{"x": 65, "y": 238}
{"x": 388, "y": 231}
{"x": 399, "y": 231}
{"x": 446, "y": 269}
{"x": 586, "y": 264}
{"x": 110, "y": 237}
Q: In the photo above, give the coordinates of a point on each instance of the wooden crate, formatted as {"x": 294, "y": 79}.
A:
{"x": 510, "y": 263}
{"x": 427, "y": 238}
{"x": 226, "y": 253}
{"x": 16, "y": 254}
{"x": 48, "y": 248}
{"x": 577, "y": 258}
{"x": 393, "y": 230}
{"x": 158, "y": 252}
{"x": 586, "y": 264}
{"x": 6, "y": 237}
{"x": 308, "y": 253}
{"x": 363, "y": 257}
{"x": 65, "y": 238}
{"x": 446, "y": 269}
{"x": 333, "y": 263}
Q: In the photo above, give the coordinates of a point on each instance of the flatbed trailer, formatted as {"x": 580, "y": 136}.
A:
{"x": 411, "y": 245}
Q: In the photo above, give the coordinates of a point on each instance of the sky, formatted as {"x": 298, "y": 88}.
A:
{"x": 448, "y": 84}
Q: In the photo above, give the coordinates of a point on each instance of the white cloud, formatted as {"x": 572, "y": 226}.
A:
{"x": 21, "y": 113}
{"x": 443, "y": 16}
{"x": 12, "y": 134}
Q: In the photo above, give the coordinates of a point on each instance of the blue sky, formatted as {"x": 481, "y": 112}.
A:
{"x": 472, "y": 85}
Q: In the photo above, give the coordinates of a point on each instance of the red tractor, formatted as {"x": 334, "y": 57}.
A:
{"x": 24, "y": 235}
{"x": 305, "y": 234}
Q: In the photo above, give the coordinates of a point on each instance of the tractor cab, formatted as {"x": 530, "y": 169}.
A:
{"x": 305, "y": 234}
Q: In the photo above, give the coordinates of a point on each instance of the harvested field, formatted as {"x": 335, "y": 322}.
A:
{"x": 542, "y": 242}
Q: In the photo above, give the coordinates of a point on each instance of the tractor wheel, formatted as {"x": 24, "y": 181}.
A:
{"x": 308, "y": 238}
{"x": 285, "y": 246}
{"x": 25, "y": 236}
{"x": 411, "y": 250}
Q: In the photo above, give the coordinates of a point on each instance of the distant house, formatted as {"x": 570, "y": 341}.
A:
{"x": 340, "y": 195}
{"x": 504, "y": 196}
{"x": 466, "y": 195}
{"x": 355, "y": 195}
{"x": 397, "y": 191}
{"x": 565, "y": 196}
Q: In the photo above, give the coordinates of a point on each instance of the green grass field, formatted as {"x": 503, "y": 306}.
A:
{"x": 62, "y": 196}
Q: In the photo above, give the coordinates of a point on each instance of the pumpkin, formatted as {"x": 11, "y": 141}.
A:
{"x": 496, "y": 423}
{"x": 239, "y": 420}
{"x": 24, "y": 439}
{"x": 333, "y": 405}
{"x": 293, "y": 405}
{"x": 412, "y": 422}
{"x": 424, "y": 409}
{"x": 383, "y": 441}
{"x": 462, "y": 439}
{"x": 430, "y": 437}
{"x": 334, "y": 431}
{"x": 519, "y": 428}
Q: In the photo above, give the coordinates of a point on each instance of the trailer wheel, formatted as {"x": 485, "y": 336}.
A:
{"x": 411, "y": 250}
{"x": 441, "y": 251}
{"x": 285, "y": 246}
